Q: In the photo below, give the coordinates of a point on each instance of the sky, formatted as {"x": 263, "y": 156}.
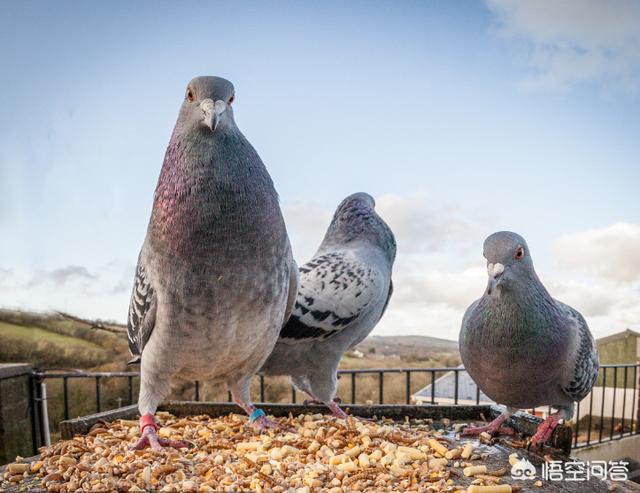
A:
{"x": 460, "y": 118}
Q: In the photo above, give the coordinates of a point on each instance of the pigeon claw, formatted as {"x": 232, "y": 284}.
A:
{"x": 476, "y": 430}
{"x": 149, "y": 438}
{"x": 263, "y": 423}
{"x": 543, "y": 433}
{"x": 336, "y": 411}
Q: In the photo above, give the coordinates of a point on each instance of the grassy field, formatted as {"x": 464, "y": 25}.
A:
{"x": 49, "y": 341}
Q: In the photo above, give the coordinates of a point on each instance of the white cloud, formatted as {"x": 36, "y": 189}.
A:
{"x": 575, "y": 40}
{"x": 420, "y": 226}
{"x": 306, "y": 224}
{"x": 101, "y": 293}
{"x": 607, "y": 253}
{"x": 430, "y": 295}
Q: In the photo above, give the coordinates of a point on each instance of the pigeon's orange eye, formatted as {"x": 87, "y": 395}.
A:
{"x": 233, "y": 96}
{"x": 190, "y": 95}
{"x": 519, "y": 253}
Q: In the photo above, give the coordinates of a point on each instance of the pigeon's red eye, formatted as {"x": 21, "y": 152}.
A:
{"x": 519, "y": 253}
{"x": 190, "y": 95}
{"x": 233, "y": 96}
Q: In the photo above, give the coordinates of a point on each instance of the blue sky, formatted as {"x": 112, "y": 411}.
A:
{"x": 461, "y": 117}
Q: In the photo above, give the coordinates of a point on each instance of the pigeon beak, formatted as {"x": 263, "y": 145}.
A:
{"x": 495, "y": 272}
{"x": 212, "y": 112}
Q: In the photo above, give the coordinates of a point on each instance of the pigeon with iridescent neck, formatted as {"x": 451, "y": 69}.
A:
{"x": 523, "y": 348}
{"x": 344, "y": 291}
{"x": 215, "y": 279}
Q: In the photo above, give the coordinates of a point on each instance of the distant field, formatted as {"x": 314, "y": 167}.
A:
{"x": 37, "y": 336}
{"x": 48, "y": 341}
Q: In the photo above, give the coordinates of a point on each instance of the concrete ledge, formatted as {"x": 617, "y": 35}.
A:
{"x": 10, "y": 370}
{"x": 15, "y": 411}
{"x": 611, "y": 450}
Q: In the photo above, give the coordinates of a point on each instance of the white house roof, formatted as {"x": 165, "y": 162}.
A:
{"x": 445, "y": 388}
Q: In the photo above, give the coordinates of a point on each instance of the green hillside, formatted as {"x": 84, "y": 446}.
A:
{"x": 50, "y": 341}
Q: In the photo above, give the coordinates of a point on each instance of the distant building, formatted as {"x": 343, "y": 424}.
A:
{"x": 620, "y": 348}
{"x": 354, "y": 353}
{"x": 445, "y": 387}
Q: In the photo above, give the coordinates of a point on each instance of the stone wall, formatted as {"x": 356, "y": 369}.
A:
{"x": 15, "y": 413}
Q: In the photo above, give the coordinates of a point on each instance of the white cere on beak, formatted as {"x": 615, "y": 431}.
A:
{"x": 207, "y": 106}
{"x": 495, "y": 270}
{"x": 212, "y": 112}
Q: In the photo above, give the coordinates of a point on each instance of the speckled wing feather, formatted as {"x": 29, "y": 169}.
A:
{"x": 586, "y": 365}
{"x": 336, "y": 291}
{"x": 142, "y": 313}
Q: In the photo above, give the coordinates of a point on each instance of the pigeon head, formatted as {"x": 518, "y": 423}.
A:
{"x": 206, "y": 108}
{"x": 356, "y": 220}
{"x": 508, "y": 261}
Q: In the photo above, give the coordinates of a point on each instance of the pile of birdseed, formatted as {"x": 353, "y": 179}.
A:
{"x": 320, "y": 454}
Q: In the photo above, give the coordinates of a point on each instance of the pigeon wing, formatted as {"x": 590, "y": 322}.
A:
{"x": 336, "y": 291}
{"x": 142, "y": 313}
{"x": 585, "y": 368}
{"x": 294, "y": 282}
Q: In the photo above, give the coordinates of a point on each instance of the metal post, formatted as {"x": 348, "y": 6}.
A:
{"x": 293, "y": 394}
{"x": 604, "y": 391}
{"x": 433, "y": 387}
{"x": 407, "y": 389}
{"x": 577, "y": 430}
{"x": 636, "y": 382}
{"x": 613, "y": 405}
{"x": 65, "y": 392}
{"x": 98, "y": 402}
{"x": 35, "y": 411}
{"x": 589, "y": 421}
{"x": 381, "y": 386}
{"x": 44, "y": 413}
{"x": 353, "y": 388}
{"x": 130, "y": 389}
{"x": 455, "y": 392}
{"x": 624, "y": 401}
{"x": 197, "y": 396}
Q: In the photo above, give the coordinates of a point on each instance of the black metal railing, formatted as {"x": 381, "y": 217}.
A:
{"x": 626, "y": 423}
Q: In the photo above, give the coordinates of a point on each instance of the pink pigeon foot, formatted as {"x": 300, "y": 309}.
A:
{"x": 336, "y": 411}
{"x": 544, "y": 431}
{"x": 263, "y": 423}
{"x": 150, "y": 438}
{"x": 494, "y": 427}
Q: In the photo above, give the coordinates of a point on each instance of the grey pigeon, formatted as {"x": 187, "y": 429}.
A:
{"x": 344, "y": 291}
{"x": 523, "y": 348}
{"x": 215, "y": 279}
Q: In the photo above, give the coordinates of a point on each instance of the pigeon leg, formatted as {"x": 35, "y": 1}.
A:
{"x": 240, "y": 393}
{"x": 150, "y": 438}
{"x": 544, "y": 431}
{"x": 153, "y": 388}
{"x": 494, "y": 427}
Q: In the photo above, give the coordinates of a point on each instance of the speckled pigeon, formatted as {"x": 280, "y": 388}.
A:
{"x": 344, "y": 291}
{"x": 215, "y": 279}
{"x": 522, "y": 347}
